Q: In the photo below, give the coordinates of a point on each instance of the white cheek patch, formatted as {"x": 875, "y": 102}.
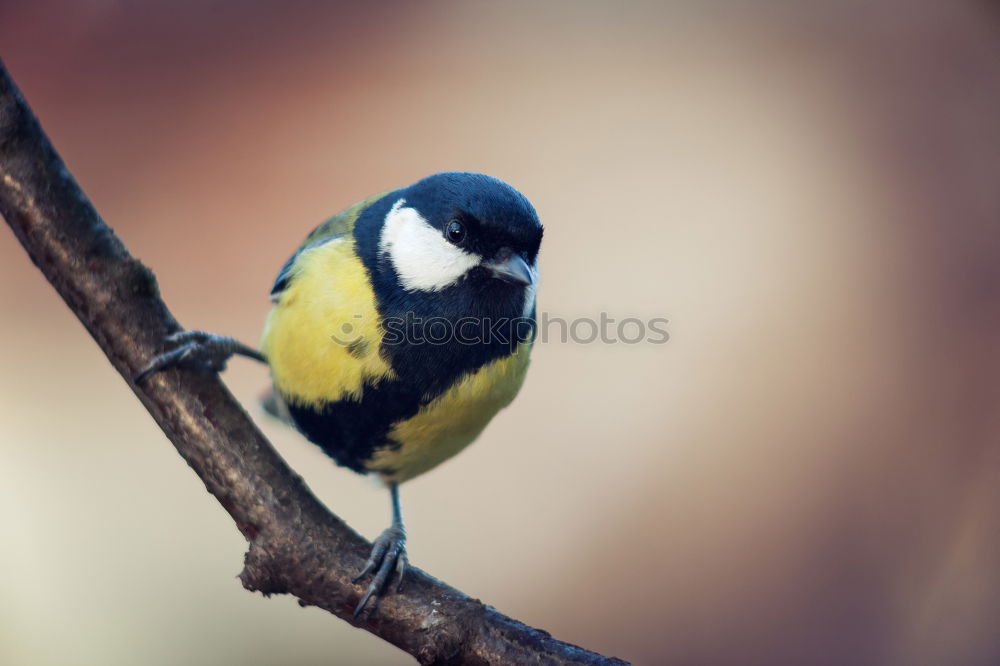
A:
{"x": 423, "y": 259}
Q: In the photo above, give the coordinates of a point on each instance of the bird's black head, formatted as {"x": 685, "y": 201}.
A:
{"x": 480, "y": 214}
{"x": 453, "y": 247}
{"x": 456, "y": 227}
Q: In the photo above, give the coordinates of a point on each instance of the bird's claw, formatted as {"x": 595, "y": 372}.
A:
{"x": 198, "y": 349}
{"x": 388, "y": 556}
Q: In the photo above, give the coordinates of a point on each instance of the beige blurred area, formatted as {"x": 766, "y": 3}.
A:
{"x": 808, "y": 472}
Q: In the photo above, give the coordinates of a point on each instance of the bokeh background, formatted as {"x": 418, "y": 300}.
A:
{"x": 808, "y": 472}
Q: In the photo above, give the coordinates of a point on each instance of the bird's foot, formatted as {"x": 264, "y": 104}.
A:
{"x": 388, "y": 555}
{"x": 198, "y": 349}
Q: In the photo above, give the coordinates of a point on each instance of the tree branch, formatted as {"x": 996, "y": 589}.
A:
{"x": 296, "y": 545}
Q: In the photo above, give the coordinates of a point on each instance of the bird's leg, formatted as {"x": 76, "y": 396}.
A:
{"x": 197, "y": 349}
{"x": 388, "y": 555}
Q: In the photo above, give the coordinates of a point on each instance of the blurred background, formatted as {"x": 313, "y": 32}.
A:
{"x": 808, "y": 472}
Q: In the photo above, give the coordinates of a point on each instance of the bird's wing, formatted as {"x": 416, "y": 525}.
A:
{"x": 337, "y": 226}
{"x": 323, "y": 335}
{"x": 287, "y": 271}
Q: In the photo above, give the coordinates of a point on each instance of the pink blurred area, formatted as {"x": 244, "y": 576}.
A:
{"x": 808, "y": 472}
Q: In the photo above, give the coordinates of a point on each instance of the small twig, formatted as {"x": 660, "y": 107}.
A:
{"x": 296, "y": 545}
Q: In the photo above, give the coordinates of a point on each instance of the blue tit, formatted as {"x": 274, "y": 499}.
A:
{"x": 399, "y": 328}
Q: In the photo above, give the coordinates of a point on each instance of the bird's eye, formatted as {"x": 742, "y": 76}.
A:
{"x": 455, "y": 232}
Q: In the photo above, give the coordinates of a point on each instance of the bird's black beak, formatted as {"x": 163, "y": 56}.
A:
{"x": 511, "y": 268}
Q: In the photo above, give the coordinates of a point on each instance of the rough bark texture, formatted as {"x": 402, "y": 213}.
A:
{"x": 296, "y": 545}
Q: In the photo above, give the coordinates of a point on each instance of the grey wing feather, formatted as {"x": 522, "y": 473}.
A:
{"x": 287, "y": 271}
{"x": 276, "y": 407}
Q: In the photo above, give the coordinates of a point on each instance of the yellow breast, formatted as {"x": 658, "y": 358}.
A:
{"x": 453, "y": 420}
{"x": 322, "y": 337}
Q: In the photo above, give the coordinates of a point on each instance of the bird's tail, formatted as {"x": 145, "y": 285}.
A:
{"x": 275, "y": 407}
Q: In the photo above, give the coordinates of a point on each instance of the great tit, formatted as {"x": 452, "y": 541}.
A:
{"x": 399, "y": 328}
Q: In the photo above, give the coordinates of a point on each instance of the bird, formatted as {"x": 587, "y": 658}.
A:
{"x": 398, "y": 329}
